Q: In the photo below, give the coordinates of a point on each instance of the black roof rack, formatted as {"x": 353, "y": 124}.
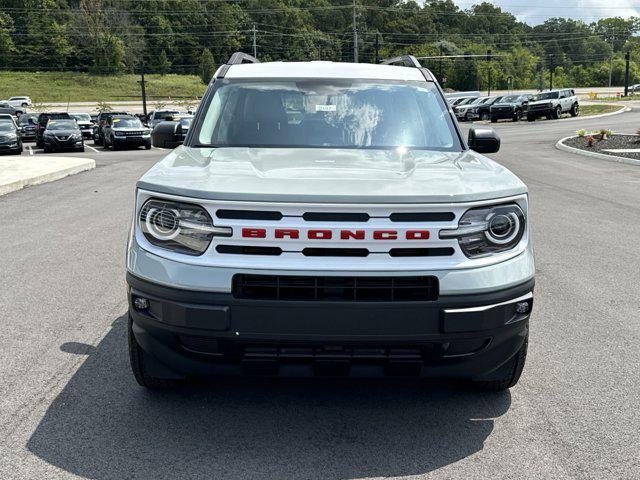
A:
{"x": 240, "y": 57}
{"x": 404, "y": 60}
{"x": 236, "y": 59}
{"x": 412, "y": 62}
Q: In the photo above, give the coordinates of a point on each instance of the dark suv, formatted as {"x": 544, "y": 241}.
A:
{"x": 41, "y": 124}
{"x": 511, "y": 107}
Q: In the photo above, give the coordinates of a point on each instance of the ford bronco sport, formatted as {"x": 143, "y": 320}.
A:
{"x": 329, "y": 219}
{"x": 552, "y": 104}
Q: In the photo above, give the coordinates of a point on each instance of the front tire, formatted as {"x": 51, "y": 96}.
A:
{"x": 512, "y": 375}
{"x": 485, "y": 116}
{"x": 494, "y": 120}
{"x": 141, "y": 363}
{"x": 517, "y": 116}
{"x": 557, "y": 113}
{"x": 531, "y": 118}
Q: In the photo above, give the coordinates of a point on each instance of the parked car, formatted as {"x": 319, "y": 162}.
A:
{"x": 483, "y": 110}
{"x": 27, "y": 123}
{"x": 41, "y": 124}
{"x": 84, "y": 122}
{"x": 10, "y": 137}
{"x": 350, "y": 243}
{"x": 6, "y": 108}
{"x": 463, "y": 110}
{"x": 552, "y": 104}
{"x": 171, "y": 134}
{"x": 511, "y": 107}
{"x": 63, "y": 134}
{"x": 158, "y": 116}
{"x": 19, "y": 102}
{"x": 98, "y": 132}
{"x": 125, "y": 131}
{"x": 459, "y": 100}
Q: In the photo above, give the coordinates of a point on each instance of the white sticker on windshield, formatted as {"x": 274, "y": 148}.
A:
{"x": 325, "y": 108}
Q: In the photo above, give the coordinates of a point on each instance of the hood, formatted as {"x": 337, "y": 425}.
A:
{"x": 542, "y": 102}
{"x": 508, "y": 104}
{"x": 62, "y": 133}
{"x": 129, "y": 129}
{"x": 330, "y": 175}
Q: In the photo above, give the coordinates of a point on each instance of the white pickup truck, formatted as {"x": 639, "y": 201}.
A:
{"x": 329, "y": 219}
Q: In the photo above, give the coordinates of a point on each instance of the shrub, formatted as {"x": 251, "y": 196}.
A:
{"x": 590, "y": 140}
{"x": 582, "y": 132}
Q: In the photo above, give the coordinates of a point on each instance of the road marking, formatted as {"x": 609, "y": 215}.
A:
{"x": 159, "y": 148}
{"x": 30, "y": 150}
{"x": 94, "y": 149}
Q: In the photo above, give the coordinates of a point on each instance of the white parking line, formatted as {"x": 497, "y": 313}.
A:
{"x": 159, "y": 148}
{"x": 30, "y": 149}
{"x": 94, "y": 149}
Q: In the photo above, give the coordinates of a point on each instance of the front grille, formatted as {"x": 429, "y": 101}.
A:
{"x": 130, "y": 134}
{"x": 327, "y": 288}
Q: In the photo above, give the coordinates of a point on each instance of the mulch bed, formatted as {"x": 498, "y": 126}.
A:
{"x": 613, "y": 142}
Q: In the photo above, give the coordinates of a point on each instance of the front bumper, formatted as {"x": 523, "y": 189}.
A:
{"x": 502, "y": 114}
{"x": 60, "y": 145}
{"x": 132, "y": 141}
{"x": 456, "y": 336}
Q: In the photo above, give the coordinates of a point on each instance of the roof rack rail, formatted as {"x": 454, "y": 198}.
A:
{"x": 236, "y": 59}
{"x": 240, "y": 57}
{"x": 404, "y": 60}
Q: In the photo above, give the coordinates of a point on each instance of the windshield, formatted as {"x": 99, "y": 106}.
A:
{"x": 82, "y": 117}
{"x": 127, "y": 123}
{"x": 26, "y": 120}
{"x": 6, "y": 126}
{"x": 328, "y": 113}
{"x": 548, "y": 95}
{"x": 163, "y": 115}
{"x": 61, "y": 125}
{"x": 510, "y": 99}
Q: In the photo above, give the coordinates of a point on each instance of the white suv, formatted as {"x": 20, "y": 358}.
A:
{"x": 552, "y": 104}
{"x": 329, "y": 219}
{"x": 19, "y": 102}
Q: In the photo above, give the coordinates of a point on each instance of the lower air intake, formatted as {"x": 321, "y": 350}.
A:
{"x": 335, "y": 289}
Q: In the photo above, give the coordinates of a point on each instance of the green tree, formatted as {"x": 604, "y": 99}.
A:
{"x": 207, "y": 66}
{"x": 163, "y": 63}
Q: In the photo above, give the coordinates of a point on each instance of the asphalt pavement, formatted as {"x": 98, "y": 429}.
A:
{"x": 70, "y": 407}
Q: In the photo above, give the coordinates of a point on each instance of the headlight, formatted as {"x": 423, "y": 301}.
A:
{"x": 12, "y": 135}
{"x": 146, "y": 132}
{"x": 177, "y": 226}
{"x": 116, "y": 133}
{"x": 488, "y": 230}
{"x": 76, "y": 136}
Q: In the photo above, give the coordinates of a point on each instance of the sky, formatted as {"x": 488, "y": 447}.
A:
{"x": 534, "y": 12}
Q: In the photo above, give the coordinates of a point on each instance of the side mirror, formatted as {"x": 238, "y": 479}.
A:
{"x": 483, "y": 140}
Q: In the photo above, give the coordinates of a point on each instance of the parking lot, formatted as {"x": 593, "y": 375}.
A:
{"x": 71, "y": 408}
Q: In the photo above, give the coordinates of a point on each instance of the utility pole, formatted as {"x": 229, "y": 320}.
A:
{"x": 255, "y": 48}
{"x": 377, "y": 47}
{"x": 143, "y": 83}
{"x": 440, "y": 65}
{"x": 490, "y": 77}
{"x": 355, "y": 34}
{"x": 627, "y": 58}
{"x": 611, "y": 57}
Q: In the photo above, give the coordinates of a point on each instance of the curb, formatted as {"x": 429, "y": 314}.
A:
{"x": 622, "y": 109}
{"x": 610, "y": 158}
{"x": 86, "y": 164}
